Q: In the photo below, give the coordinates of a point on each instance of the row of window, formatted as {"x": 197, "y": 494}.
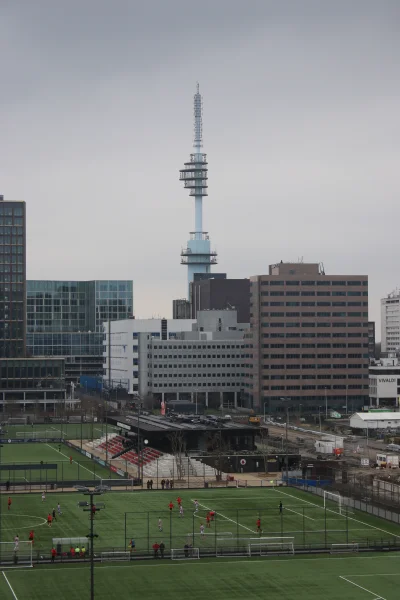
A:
{"x": 320, "y": 345}
{"x": 312, "y": 293}
{"x": 342, "y": 366}
{"x": 312, "y": 324}
{"x": 308, "y": 356}
{"x": 193, "y": 356}
{"x": 10, "y": 210}
{"x": 313, "y": 314}
{"x": 198, "y": 384}
{"x": 313, "y": 335}
{"x": 318, "y": 283}
{"x": 197, "y": 366}
{"x": 194, "y": 375}
{"x": 311, "y": 303}
{"x": 311, "y": 376}
{"x": 196, "y": 347}
{"x": 313, "y": 387}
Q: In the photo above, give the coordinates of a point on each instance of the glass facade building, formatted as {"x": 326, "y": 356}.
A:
{"x": 64, "y": 318}
{"x": 12, "y": 278}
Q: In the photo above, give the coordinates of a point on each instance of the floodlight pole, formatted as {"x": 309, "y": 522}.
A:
{"x": 0, "y": 506}
{"x": 91, "y": 535}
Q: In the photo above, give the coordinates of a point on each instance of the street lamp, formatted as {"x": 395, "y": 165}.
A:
{"x": 326, "y": 403}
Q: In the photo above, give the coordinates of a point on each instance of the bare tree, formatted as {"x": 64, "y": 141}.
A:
{"x": 219, "y": 449}
{"x": 178, "y": 446}
{"x": 264, "y": 447}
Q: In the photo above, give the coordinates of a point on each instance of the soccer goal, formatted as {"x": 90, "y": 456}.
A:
{"x": 117, "y": 483}
{"x": 16, "y": 554}
{"x": 17, "y": 421}
{"x": 331, "y": 497}
{"x": 34, "y": 435}
{"x": 185, "y": 553}
{"x": 341, "y": 548}
{"x": 278, "y": 545}
{"x": 115, "y": 556}
{"x": 241, "y": 483}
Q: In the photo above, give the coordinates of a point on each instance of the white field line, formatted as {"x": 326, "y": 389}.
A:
{"x": 210, "y": 563}
{"x": 227, "y": 518}
{"x": 9, "y": 585}
{"x": 350, "y": 518}
{"x": 362, "y": 588}
{"x": 300, "y": 514}
{"x": 74, "y": 461}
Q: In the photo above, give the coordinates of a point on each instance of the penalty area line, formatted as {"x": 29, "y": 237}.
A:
{"x": 376, "y": 597}
{"x": 10, "y": 586}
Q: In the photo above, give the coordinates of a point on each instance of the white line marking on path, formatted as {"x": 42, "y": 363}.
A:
{"x": 9, "y": 585}
{"x": 350, "y": 518}
{"x": 362, "y": 588}
{"x": 74, "y": 461}
{"x": 227, "y": 518}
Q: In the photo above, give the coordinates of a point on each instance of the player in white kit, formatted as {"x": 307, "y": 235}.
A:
{"x": 196, "y": 506}
{"x": 202, "y": 529}
{"x": 16, "y": 542}
{"x": 43, "y": 496}
{"x": 181, "y": 510}
{"x": 160, "y": 528}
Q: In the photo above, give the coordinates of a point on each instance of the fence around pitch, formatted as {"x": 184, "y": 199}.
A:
{"x": 364, "y": 504}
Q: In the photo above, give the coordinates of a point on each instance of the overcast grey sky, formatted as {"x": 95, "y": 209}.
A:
{"x": 301, "y": 128}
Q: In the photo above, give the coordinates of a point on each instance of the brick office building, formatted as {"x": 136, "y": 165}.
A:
{"x": 308, "y": 341}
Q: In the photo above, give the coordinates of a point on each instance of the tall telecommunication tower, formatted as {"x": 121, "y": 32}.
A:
{"x": 197, "y": 255}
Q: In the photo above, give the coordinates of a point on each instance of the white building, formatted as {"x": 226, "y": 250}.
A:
{"x": 390, "y": 322}
{"x": 121, "y": 349}
{"x": 384, "y": 382}
{"x": 375, "y": 420}
{"x": 185, "y": 359}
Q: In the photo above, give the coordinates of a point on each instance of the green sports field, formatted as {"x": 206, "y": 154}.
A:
{"x": 304, "y": 521}
{"x": 68, "y": 431}
{"x": 81, "y": 469}
{"x": 368, "y": 577}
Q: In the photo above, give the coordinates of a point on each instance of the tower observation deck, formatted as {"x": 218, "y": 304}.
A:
{"x": 197, "y": 255}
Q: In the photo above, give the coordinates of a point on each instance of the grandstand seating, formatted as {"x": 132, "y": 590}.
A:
{"x": 115, "y": 445}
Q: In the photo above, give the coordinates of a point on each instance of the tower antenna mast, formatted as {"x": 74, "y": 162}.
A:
{"x": 197, "y": 256}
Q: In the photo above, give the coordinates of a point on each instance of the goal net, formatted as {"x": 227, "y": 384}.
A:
{"x": 117, "y": 483}
{"x": 17, "y": 421}
{"x": 16, "y": 554}
{"x": 115, "y": 556}
{"x": 278, "y": 545}
{"x": 341, "y": 548}
{"x": 330, "y": 497}
{"x": 185, "y": 553}
{"x": 241, "y": 483}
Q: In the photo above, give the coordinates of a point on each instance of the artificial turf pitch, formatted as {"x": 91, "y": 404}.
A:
{"x": 313, "y": 578}
{"x": 81, "y": 469}
{"x": 304, "y": 518}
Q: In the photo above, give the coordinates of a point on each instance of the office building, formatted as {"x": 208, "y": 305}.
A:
{"x": 390, "y": 322}
{"x": 220, "y": 294}
{"x": 190, "y": 359}
{"x": 12, "y": 278}
{"x": 308, "y": 341}
{"x": 64, "y": 318}
{"x": 181, "y": 309}
{"x": 29, "y": 383}
{"x": 384, "y": 382}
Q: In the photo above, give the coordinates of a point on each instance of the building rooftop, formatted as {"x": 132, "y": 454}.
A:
{"x": 386, "y": 416}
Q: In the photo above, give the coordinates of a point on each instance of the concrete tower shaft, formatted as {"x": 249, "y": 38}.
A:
{"x": 197, "y": 256}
